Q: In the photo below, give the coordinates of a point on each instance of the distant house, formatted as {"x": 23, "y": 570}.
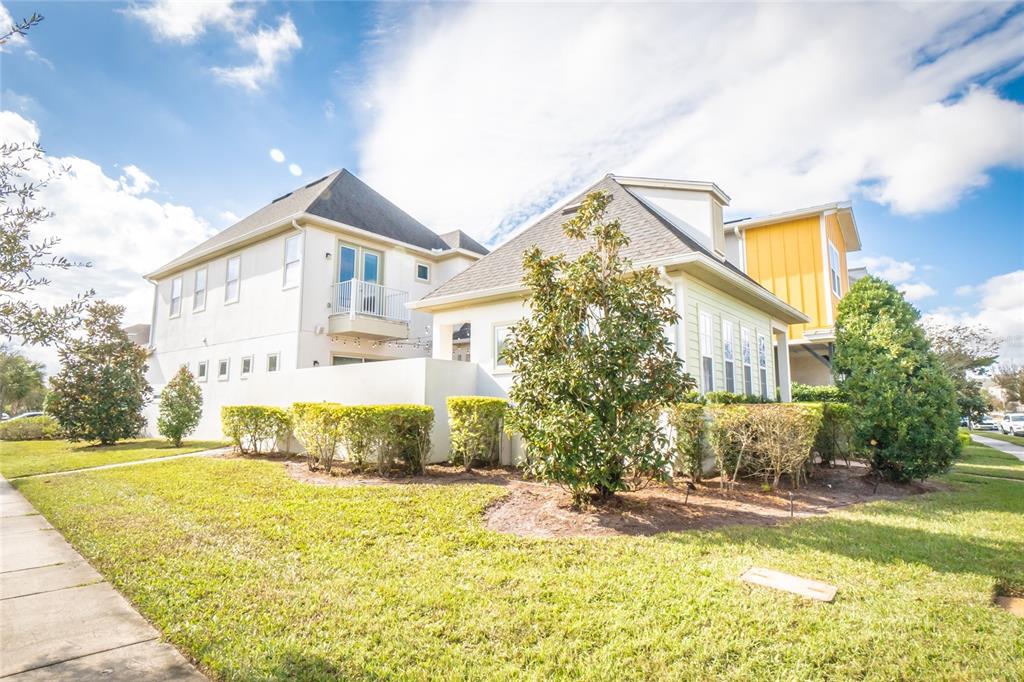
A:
{"x": 138, "y": 334}
{"x": 800, "y": 256}
{"x": 733, "y": 333}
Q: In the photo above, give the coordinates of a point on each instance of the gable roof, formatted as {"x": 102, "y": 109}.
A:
{"x": 650, "y": 237}
{"x": 842, "y": 209}
{"x": 340, "y": 197}
{"x": 457, "y": 239}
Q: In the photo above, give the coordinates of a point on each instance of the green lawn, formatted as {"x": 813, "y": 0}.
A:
{"x": 986, "y": 461}
{"x": 257, "y": 576}
{"x": 23, "y": 458}
{"x": 1016, "y": 440}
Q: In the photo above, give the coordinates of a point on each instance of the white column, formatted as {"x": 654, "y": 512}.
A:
{"x": 785, "y": 382}
{"x": 442, "y": 344}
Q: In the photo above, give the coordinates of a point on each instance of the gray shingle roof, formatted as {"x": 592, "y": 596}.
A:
{"x": 457, "y": 239}
{"x": 341, "y": 197}
{"x": 650, "y": 237}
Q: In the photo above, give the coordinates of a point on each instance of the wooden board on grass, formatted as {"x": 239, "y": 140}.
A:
{"x": 811, "y": 589}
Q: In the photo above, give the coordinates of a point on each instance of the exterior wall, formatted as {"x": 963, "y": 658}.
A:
{"x": 807, "y": 369}
{"x": 421, "y": 381}
{"x": 697, "y": 214}
{"x": 787, "y": 259}
{"x": 835, "y": 234}
{"x": 699, "y": 297}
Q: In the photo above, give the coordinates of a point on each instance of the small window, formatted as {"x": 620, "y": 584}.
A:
{"x": 201, "y": 370}
{"x": 246, "y": 367}
{"x": 176, "y": 297}
{"x": 345, "y": 360}
{"x": 199, "y": 299}
{"x": 833, "y": 269}
{"x": 273, "y": 362}
{"x": 500, "y": 339}
{"x": 292, "y": 261}
{"x": 232, "y": 279}
{"x": 422, "y": 272}
{"x": 223, "y": 368}
{"x": 707, "y": 361}
{"x": 748, "y": 370}
{"x": 729, "y": 356}
{"x": 762, "y": 363}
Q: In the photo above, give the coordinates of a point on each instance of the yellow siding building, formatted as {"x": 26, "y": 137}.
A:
{"x": 801, "y": 257}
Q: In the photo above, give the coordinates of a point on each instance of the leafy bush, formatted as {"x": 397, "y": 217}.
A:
{"x": 835, "y": 437}
{"x": 691, "y": 435}
{"x": 387, "y": 434}
{"x": 802, "y": 393}
{"x": 317, "y": 427}
{"x": 101, "y": 389}
{"x": 43, "y": 427}
{"x": 903, "y": 403}
{"x": 727, "y": 398}
{"x": 250, "y": 427}
{"x": 181, "y": 407}
{"x": 476, "y": 425}
{"x": 963, "y": 435}
{"x": 732, "y": 439}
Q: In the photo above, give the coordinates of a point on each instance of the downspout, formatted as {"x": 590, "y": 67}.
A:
{"x": 677, "y": 329}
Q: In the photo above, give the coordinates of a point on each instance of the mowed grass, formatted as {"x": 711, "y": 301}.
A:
{"x": 1016, "y": 440}
{"x": 28, "y": 457}
{"x": 257, "y": 576}
{"x": 981, "y": 460}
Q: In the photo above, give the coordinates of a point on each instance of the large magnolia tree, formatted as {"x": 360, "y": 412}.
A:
{"x": 592, "y": 365}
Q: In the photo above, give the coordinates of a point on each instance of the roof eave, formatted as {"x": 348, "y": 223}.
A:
{"x": 664, "y": 183}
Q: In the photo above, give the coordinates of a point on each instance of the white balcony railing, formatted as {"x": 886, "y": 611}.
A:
{"x": 355, "y": 297}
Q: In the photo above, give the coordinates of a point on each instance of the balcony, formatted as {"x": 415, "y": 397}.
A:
{"x": 369, "y": 310}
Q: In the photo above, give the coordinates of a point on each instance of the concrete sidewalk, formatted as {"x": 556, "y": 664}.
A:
{"x": 59, "y": 620}
{"x": 215, "y": 452}
{"x": 1001, "y": 445}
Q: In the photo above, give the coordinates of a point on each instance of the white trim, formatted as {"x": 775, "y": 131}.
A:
{"x": 416, "y": 271}
{"x": 227, "y": 374}
{"x": 277, "y": 362}
{"x": 824, "y": 268}
{"x": 666, "y": 183}
{"x": 242, "y": 374}
{"x": 205, "y": 364}
{"x": 284, "y": 268}
{"x": 195, "y": 288}
{"x": 180, "y": 281}
{"x": 227, "y": 273}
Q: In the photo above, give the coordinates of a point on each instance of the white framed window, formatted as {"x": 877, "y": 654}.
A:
{"x": 223, "y": 369}
{"x": 246, "y": 368}
{"x": 199, "y": 296}
{"x": 176, "y": 297}
{"x": 500, "y": 339}
{"x": 201, "y": 370}
{"x": 747, "y": 355}
{"x": 422, "y": 272}
{"x": 350, "y": 360}
{"x": 707, "y": 359}
{"x": 232, "y": 279}
{"x": 292, "y": 261}
{"x": 729, "y": 355}
{"x": 762, "y": 363}
{"x": 273, "y": 362}
{"x": 833, "y": 269}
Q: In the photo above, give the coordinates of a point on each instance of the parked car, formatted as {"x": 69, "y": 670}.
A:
{"x": 986, "y": 423}
{"x": 26, "y": 415}
{"x": 1013, "y": 424}
{"x": 4, "y": 416}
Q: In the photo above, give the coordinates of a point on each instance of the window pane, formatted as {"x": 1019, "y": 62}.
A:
{"x": 291, "y": 274}
{"x": 730, "y": 377}
{"x": 201, "y": 370}
{"x": 422, "y": 271}
{"x": 500, "y": 337}
{"x": 233, "y": 264}
{"x": 231, "y": 283}
{"x": 347, "y": 264}
{"x": 764, "y": 384}
{"x": 246, "y": 365}
{"x": 748, "y": 380}
{"x": 291, "y": 249}
{"x": 708, "y": 375}
{"x": 199, "y": 298}
{"x": 371, "y": 262}
{"x": 222, "y": 368}
{"x": 342, "y": 360}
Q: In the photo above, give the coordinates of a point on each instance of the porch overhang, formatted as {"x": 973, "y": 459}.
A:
{"x": 367, "y": 327}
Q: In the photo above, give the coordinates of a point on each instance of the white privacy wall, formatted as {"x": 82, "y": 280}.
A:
{"x": 421, "y": 381}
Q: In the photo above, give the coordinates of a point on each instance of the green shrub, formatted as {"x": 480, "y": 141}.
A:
{"x": 43, "y": 427}
{"x": 802, "y": 393}
{"x": 688, "y": 422}
{"x": 317, "y": 427}
{"x": 250, "y": 427}
{"x": 731, "y": 438}
{"x": 727, "y": 398}
{"x": 181, "y": 407}
{"x": 693, "y": 396}
{"x": 476, "y": 425}
{"x": 387, "y": 434}
{"x": 835, "y": 437}
{"x": 963, "y": 435}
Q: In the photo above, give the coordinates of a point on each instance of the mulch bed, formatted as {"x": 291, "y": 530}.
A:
{"x": 532, "y": 509}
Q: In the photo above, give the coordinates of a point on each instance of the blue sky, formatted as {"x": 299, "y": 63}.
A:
{"x": 481, "y": 116}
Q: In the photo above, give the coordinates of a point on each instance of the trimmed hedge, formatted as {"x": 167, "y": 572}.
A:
{"x": 43, "y": 427}
{"x": 835, "y": 437}
{"x": 727, "y": 398}
{"x": 802, "y": 393}
{"x": 317, "y": 427}
{"x": 250, "y": 426}
{"x": 690, "y": 426}
{"x": 476, "y": 425}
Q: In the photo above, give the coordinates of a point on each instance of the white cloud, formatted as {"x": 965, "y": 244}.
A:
{"x": 1000, "y": 307}
{"x": 105, "y": 221}
{"x": 506, "y": 107}
{"x": 269, "y": 47}
{"x": 6, "y": 23}
{"x": 277, "y": 155}
{"x": 184, "y": 21}
{"x": 295, "y": 169}
{"x": 228, "y": 217}
{"x": 915, "y": 291}
{"x": 885, "y": 267}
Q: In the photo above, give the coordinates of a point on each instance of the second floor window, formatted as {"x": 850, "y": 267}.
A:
{"x": 833, "y": 269}
{"x": 199, "y": 299}
{"x": 176, "y": 297}
{"x": 232, "y": 279}
{"x": 423, "y": 272}
{"x": 292, "y": 261}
